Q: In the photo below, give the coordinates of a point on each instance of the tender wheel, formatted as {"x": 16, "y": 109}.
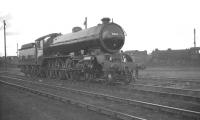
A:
{"x": 129, "y": 78}
{"x": 89, "y": 77}
{"x": 77, "y": 75}
{"x": 51, "y": 74}
{"x": 82, "y": 76}
{"x": 74, "y": 75}
{"x": 71, "y": 75}
{"x": 61, "y": 74}
{"x": 67, "y": 75}
{"x": 47, "y": 74}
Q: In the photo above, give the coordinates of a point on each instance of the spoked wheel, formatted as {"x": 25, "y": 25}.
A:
{"x": 53, "y": 73}
{"x": 81, "y": 76}
{"x": 37, "y": 73}
{"x": 50, "y": 74}
{"x": 56, "y": 74}
{"x": 67, "y": 75}
{"x": 88, "y": 76}
{"x": 47, "y": 74}
{"x": 109, "y": 78}
{"x": 41, "y": 72}
{"x": 129, "y": 78}
{"x": 31, "y": 71}
{"x": 61, "y": 74}
{"x": 26, "y": 74}
{"x": 71, "y": 75}
{"x": 75, "y": 75}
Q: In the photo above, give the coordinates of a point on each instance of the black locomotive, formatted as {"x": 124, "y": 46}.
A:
{"x": 91, "y": 54}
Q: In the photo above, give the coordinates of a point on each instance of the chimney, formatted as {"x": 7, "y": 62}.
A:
{"x": 105, "y": 20}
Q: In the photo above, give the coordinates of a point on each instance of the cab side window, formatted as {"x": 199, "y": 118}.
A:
{"x": 39, "y": 44}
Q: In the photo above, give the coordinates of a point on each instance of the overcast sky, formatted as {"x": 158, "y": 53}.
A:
{"x": 149, "y": 24}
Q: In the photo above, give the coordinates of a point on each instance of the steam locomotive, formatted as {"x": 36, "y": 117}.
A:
{"x": 91, "y": 54}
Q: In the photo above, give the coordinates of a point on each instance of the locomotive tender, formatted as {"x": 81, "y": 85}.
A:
{"x": 91, "y": 54}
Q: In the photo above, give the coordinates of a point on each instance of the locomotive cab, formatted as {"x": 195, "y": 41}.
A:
{"x": 41, "y": 45}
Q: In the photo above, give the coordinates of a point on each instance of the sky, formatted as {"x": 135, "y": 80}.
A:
{"x": 149, "y": 24}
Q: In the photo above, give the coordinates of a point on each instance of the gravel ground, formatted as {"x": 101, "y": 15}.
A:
{"x": 62, "y": 82}
{"x": 20, "y": 105}
{"x": 171, "y": 72}
{"x": 169, "y": 76}
{"x": 133, "y": 110}
{"x": 116, "y": 91}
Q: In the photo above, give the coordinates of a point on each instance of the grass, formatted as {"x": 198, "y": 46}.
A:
{"x": 171, "y": 72}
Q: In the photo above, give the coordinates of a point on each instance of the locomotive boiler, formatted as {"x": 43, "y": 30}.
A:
{"x": 91, "y": 54}
{"x": 107, "y": 36}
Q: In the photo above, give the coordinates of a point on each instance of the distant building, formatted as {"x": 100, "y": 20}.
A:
{"x": 10, "y": 60}
{"x": 176, "y": 57}
{"x": 136, "y": 52}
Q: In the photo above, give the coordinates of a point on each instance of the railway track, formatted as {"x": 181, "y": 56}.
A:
{"x": 113, "y": 114}
{"x": 169, "y": 81}
{"x": 125, "y": 104}
{"x": 186, "y": 92}
{"x": 172, "y": 79}
{"x": 152, "y": 88}
{"x": 171, "y": 93}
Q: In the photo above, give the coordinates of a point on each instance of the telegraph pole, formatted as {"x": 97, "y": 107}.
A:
{"x": 194, "y": 37}
{"x": 17, "y": 51}
{"x": 85, "y": 23}
{"x": 4, "y": 28}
